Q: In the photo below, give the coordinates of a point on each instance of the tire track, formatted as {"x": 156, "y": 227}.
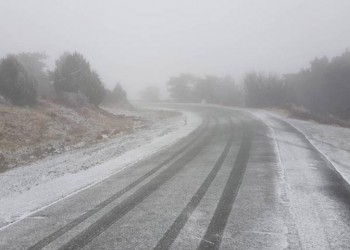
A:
{"x": 213, "y": 236}
{"x": 107, "y": 220}
{"x": 55, "y": 235}
{"x": 172, "y": 233}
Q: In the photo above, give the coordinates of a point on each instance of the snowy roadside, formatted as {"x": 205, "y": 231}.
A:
{"x": 25, "y": 190}
{"x": 332, "y": 141}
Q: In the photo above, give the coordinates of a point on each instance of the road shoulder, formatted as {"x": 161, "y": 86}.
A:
{"x": 21, "y": 199}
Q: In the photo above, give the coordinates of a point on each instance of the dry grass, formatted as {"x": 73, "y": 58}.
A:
{"x": 304, "y": 114}
{"x": 21, "y": 127}
{"x": 27, "y": 134}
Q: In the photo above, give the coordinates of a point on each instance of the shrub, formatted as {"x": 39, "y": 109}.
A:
{"x": 304, "y": 114}
{"x": 93, "y": 89}
{"x": 16, "y": 83}
{"x": 74, "y": 75}
{"x": 117, "y": 95}
{"x": 35, "y": 64}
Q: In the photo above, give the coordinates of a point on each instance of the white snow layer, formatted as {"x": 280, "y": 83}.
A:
{"x": 315, "y": 214}
{"x": 28, "y": 189}
{"x": 332, "y": 141}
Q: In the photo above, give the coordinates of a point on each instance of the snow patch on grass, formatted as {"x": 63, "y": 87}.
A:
{"x": 26, "y": 190}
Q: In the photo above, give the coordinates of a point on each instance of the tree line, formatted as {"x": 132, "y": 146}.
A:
{"x": 321, "y": 89}
{"x": 24, "y": 78}
{"x": 209, "y": 89}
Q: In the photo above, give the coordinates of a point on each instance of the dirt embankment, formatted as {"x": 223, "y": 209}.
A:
{"x": 28, "y": 134}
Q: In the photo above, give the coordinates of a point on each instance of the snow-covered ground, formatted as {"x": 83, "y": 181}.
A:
{"x": 27, "y": 189}
{"x": 308, "y": 156}
{"x": 332, "y": 141}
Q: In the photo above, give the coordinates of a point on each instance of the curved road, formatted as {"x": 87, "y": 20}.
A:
{"x": 222, "y": 187}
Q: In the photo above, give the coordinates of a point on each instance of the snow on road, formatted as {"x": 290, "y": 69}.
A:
{"x": 306, "y": 172}
{"x": 27, "y": 189}
{"x": 332, "y": 141}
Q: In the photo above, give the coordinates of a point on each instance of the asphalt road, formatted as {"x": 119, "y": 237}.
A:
{"x": 219, "y": 188}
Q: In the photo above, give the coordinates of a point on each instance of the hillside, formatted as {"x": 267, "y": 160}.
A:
{"x": 28, "y": 134}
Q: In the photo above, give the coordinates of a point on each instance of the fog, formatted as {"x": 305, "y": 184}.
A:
{"x": 142, "y": 43}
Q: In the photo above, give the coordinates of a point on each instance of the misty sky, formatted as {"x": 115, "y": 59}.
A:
{"x": 144, "y": 42}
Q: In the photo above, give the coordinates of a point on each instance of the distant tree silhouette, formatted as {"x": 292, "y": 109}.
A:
{"x": 36, "y": 66}
{"x": 206, "y": 89}
{"x": 265, "y": 90}
{"x": 93, "y": 89}
{"x": 324, "y": 88}
{"x": 117, "y": 95}
{"x": 16, "y": 83}
{"x": 228, "y": 93}
{"x": 181, "y": 87}
{"x": 210, "y": 89}
{"x": 73, "y": 74}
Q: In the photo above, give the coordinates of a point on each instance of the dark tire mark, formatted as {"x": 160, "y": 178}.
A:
{"x": 107, "y": 220}
{"x": 213, "y": 236}
{"x": 55, "y": 235}
{"x": 172, "y": 233}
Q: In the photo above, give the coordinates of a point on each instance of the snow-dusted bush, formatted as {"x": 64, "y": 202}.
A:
{"x": 117, "y": 95}
{"x": 74, "y": 100}
{"x": 35, "y": 64}
{"x": 304, "y": 114}
{"x": 73, "y": 74}
{"x": 16, "y": 84}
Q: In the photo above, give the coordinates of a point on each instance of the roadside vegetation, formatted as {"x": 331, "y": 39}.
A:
{"x": 16, "y": 83}
{"x": 209, "y": 89}
{"x": 320, "y": 92}
{"x": 47, "y": 112}
{"x": 25, "y": 78}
